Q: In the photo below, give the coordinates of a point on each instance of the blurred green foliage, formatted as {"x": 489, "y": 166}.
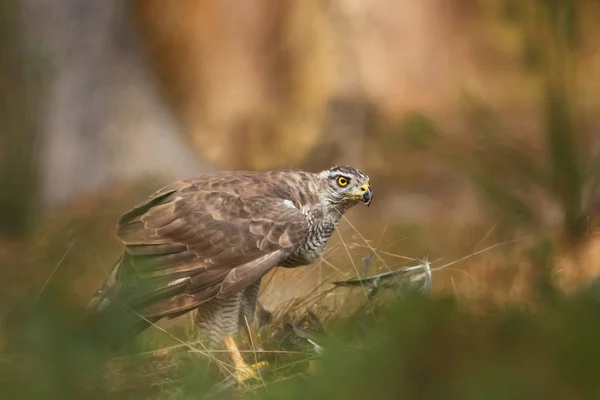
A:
{"x": 21, "y": 81}
{"x": 510, "y": 170}
{"x": 415, "y": 347}
{"x": 417, "y": 131}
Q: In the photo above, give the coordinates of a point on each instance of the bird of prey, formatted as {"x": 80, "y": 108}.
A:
{"x": 205, "y": 244}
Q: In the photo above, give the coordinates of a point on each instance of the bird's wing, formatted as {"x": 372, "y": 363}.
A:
{"x": 196, "y": 240}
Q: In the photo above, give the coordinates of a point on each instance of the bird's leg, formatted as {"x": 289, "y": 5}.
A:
{"x": 248, "y": 312}
{"x": 243, "y": 371}
{"x": 218, "y": 323}
{"x": 251, "y": 332}
{"x": 252, "y": 322}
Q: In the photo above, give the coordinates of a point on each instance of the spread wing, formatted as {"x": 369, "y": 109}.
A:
{"x": 196, "y": 240}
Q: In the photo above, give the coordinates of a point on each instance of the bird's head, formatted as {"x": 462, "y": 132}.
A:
{"x": 346, "y": 186}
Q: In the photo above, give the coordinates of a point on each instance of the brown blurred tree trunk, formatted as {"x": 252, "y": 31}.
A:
{"x": 20, "y": 84}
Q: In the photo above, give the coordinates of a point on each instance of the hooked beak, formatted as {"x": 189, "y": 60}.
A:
{"x": 366, "y": 193}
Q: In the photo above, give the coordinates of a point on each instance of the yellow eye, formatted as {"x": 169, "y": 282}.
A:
{"x": 342, "y": 181}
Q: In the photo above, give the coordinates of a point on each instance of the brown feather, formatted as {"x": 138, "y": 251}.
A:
{"x": 245, "y": 275}
{"x": 222, "y": 232}
{"x": 167, "y": 248}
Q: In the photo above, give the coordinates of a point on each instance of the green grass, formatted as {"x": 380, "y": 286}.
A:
{"x": 413, "y": 347}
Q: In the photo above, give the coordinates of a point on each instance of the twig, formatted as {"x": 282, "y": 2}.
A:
{"x": 55, "y": 269}
{"x": 486, "y": 236}
{"x": 478, "y": 252}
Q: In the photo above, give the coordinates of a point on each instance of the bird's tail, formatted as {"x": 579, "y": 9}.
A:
{"x": 108, "y": 292}
{"x": 113, "y": 316}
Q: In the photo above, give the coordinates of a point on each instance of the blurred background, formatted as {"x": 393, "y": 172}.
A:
{"x": 476, "y": 120}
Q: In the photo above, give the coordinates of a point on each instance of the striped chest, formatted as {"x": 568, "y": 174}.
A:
{"x": 321, "y": 227}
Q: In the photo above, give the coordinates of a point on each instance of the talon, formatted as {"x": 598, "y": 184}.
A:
{"x": 243, "y": 371}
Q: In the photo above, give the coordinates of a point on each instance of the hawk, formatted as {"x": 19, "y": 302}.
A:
{"x": 205, "y": 243}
